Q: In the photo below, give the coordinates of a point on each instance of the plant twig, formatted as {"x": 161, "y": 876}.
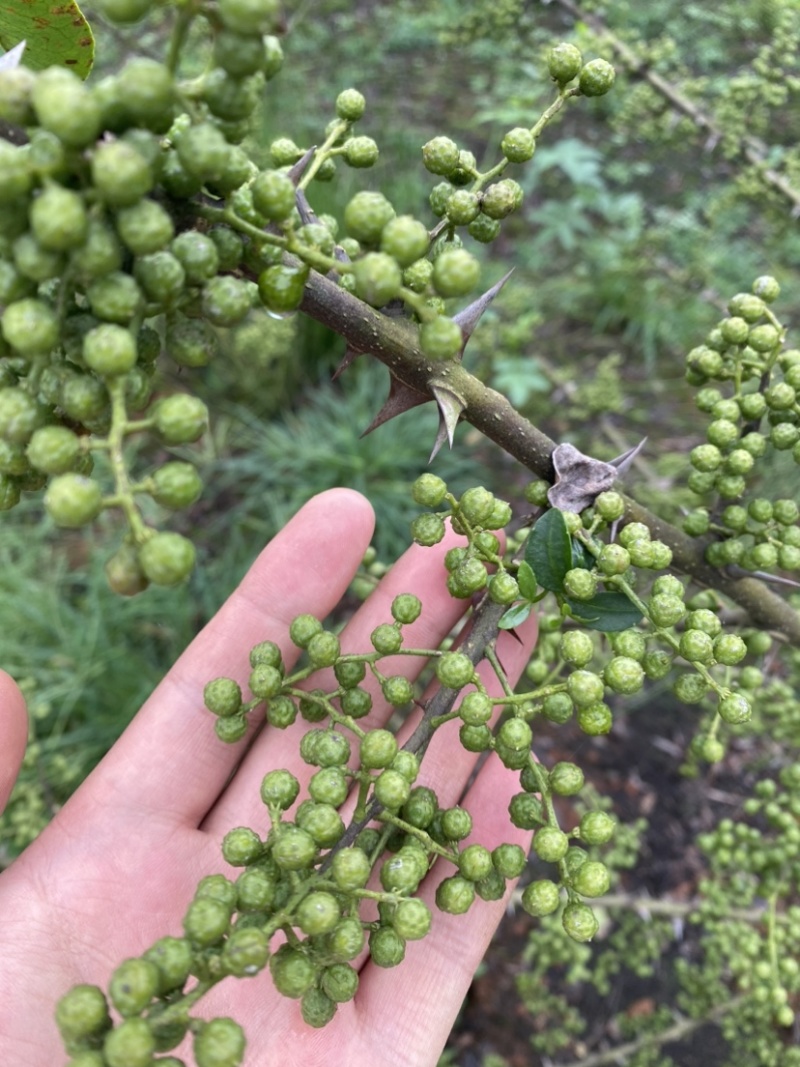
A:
{"x": 393, "y": 341}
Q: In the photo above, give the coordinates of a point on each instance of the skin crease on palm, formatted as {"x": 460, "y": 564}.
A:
{"x": 116, "y": 868}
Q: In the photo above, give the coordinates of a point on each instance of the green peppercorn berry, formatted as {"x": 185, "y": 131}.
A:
{"x": 566, "y": 779}
{"x": 596, "y": 78}
{"x": 501, "y": 198}
{"x": 584, "y": 688}
{"x": 360, "y": 152}
{"x": 378, "y": 749}
{"x": 484, "y": 229}
{"x": 133, "y": 985}
{"x": 386, "y": 947}
{"x": 557, "y": 708}
{"x": 427, "y": 530}
{"x": 167, "y": 558}
{"x": 281, "y": 288}
{"x": 592, "y": 879}
{"x": 366, "y": 215}
{"x": 318, "y": 913}
{"x": 729, "y": 649}
{"x": 735, "y": 708}
{"x": 349, "y": 673}
{"x": 690, "y": 688}
{"x": 82, "y": 1013}
{"x": 564, "y": 62}
{"x": 429, "y": 490}
{"x": 623, "y": 674}
{"x": 580, "y": 922}
{"x": 417, "y": 277}
{"x": 576, "y": 648}
{"x": 441, "y": 338}
{"x": 455, "y": 670}
{"x": 181, "y": 418}
{"x": 66, "y": 107}
{"x": 323, "y": 649}
{"x": 405, "y": 239}
{"x": 220, "y": 1043}
{"x": 440, "y": 156}
{"x": 131, "y": 1044}
{"x": 503, "y": 588}
{"x": 53, "y": 449}
{"x": 350, "y": 868}
{"x": 456, "y": 824}
{"x": 613, "y": 559}
{"x": 518, "y": 145}
{"x": 597, "y": 827}
{"x": 386, "y": 639}
{"x": 455, "y": 895}
{"x": 222, "y": 696}
{"x": 666, "y": 610}
{"x": 241, "y": 847}
{"x": 540, "y": 898}
{"x": 391, "y": 789}
{"x": 356, "y": 702}
{"x": 350, "y": 105}
{"x": 595, "y": 719}
{"x": 766, "y": 287}
{"x": 72, "y": 500}
{"x": 279, "y": 789}
{"x": 109, "y": 350}
{"x": 226, "y": 300}
{"x": 580, "y": 584}
{"x": 378, "y": 278}
{"x": 30, "y": 326}
{"x": 274, "y": 195}
{"x": 455, "y": 273}
{"x": 550, "y": 844}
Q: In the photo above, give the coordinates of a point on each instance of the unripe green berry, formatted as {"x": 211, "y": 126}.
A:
{"x": 440, "y": 156}
{"x": 564, "y": 62}
{"x": 518, "y": 145}
{"x": 735, "y": 709}
{"x": 455, "y": 273}
{"x": 597, "y": 827}
{"x": 580, "y": 922}
{"x": 72, "y": 500}
{"x": 596, "y": 78}
{"x": 131, "y": 1044}
{"x": 350, "y": 105}
{"x": 592, "y": 879}
{"x": 566, "y": 779}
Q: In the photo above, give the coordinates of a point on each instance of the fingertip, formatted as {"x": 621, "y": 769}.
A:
{"x": 13, "y": 734}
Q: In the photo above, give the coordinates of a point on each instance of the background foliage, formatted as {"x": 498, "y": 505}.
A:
{"x": 636, "y": 226}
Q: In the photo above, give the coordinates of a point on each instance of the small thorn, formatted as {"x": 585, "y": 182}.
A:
{"x": 624, "y": 461}
{"x": 350, "y": 355}
{"x": 401, "y": 398}
{"x": 451, "y": 406}
{"x": 305, "y": 210}
{"x": 468, "y": 318}
{"x": 296, "y": 172}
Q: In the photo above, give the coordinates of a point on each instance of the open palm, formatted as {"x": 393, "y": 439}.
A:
{"x": 116, "y": 868}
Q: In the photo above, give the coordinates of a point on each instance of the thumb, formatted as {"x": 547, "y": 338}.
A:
{"x": 13, "y": 734}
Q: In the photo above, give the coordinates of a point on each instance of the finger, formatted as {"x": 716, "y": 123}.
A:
{"x": 419, "y": 570}
{"x": 13, "y": 735}
{"x": 435, "y": 975}
{"x": 170, "y": 760}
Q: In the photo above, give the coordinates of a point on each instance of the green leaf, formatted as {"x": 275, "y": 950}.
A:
{"x": 526, "y": 580}
{"x": 56, "y": 34}
{"x": 581, "y": 556}
{"x": 607, "y": 612}
{"x": 549, "y": 550}
{"x": 516, "y": 615}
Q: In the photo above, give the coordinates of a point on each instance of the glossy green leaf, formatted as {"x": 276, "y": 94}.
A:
{"x": 549, "y": 550}
{"x": 526, "y": 580}
{"x": 56, "y": 34}
{"x": 516, "y": 615}
{"x": 607, "y": 612}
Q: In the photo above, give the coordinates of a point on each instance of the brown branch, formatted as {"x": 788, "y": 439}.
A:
{"x": 394, "y": 342}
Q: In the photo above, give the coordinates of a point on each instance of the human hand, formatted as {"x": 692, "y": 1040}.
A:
{"x": 116, "y": 868}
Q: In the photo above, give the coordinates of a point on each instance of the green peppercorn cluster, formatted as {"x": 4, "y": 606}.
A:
{"x": 755, "y": 414}
{"x": 100, "y": 277}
